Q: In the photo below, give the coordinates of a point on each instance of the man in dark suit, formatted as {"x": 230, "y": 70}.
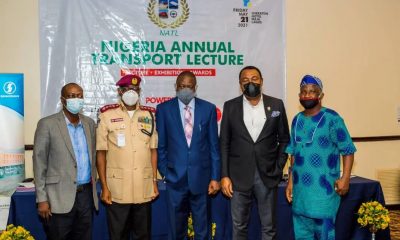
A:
{"x": 254, "y": 134}
{"x": 65, "y": 170}
{"x": 188, "y": 157}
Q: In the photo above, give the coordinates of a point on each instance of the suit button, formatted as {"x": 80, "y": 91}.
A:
{"x": 74, "y": 182}
{"x": 75, "y": 166}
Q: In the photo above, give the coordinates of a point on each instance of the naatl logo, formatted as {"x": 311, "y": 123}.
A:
{"x": 168, "y": 13}
{"x": 9, "y": 88}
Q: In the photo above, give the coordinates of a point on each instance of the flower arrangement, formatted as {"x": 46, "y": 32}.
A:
{"x": 15, "y": 233}
{"x": 373, "y": 215}
{"x": 190, "y": 233}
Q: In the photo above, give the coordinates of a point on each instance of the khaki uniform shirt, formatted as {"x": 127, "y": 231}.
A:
{"x": 129, "y": 172}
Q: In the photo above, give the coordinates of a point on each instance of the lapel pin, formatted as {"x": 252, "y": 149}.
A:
{"x": 269, "y": 108}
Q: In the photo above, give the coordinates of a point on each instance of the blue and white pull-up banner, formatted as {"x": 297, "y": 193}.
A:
{"x": 12, "y": 147}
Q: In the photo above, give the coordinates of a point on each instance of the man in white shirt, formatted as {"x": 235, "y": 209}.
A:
{"x": 254, "y": 134}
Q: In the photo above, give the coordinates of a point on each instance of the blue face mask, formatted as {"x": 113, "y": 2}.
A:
{"x": 74, "y": 105}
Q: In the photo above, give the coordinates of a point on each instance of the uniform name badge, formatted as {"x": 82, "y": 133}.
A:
{"x": 121, "y": 140}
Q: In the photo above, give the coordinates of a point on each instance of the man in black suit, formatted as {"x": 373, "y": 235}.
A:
{"x": 254, "y": 134}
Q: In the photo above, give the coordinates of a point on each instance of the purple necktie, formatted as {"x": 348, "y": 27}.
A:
{"x": 188, "y": 125}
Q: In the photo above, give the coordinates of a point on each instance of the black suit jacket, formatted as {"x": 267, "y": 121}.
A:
{"x": 240, "y": 155}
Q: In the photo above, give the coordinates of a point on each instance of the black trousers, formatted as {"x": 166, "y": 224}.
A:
{"x": 241, "y": 209}
{"x": 75, "y": 225}
{"x": 129, "y": 220}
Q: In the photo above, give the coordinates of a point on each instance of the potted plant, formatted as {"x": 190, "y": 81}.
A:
{"x": 191, "y": 232}
{"x": 374, "y": 216}
{"x": 15, "y": 233}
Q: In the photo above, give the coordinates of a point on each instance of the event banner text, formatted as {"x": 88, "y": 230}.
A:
{"x": 161, "y": 53}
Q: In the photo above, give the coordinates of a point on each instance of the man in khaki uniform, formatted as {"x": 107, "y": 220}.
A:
{"x": 127, "y": 162}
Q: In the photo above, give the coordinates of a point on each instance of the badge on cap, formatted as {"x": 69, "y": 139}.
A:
{"x": 128, "y": 80}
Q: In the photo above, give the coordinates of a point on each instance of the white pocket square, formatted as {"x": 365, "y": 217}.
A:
{"x": 275, "y": 114}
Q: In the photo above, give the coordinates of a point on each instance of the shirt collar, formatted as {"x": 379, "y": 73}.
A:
{"x": 69, "y": 123}
{"x": 261, "y": 102}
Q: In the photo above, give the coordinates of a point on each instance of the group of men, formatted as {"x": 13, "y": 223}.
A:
{"x": 181, "y": 140}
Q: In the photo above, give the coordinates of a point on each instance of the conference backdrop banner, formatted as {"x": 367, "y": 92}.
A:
{"x": 95, "y": 42}
{"x": 12, "y": 146}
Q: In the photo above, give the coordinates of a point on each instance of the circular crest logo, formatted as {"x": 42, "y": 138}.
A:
{"x": 9, "y": 88}
{"x": 171, "y": 13}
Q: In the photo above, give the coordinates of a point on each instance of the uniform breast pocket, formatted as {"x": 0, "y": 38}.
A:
{"x": 115, "y": 182}
{"x": 145, "y": 130}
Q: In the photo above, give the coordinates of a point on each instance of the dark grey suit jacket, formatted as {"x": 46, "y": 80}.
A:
{"x": 54, "y": 163}
{"x": 240, "y": 155}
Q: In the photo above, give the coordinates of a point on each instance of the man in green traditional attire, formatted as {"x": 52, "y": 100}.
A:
{"x": 318, "y": 138}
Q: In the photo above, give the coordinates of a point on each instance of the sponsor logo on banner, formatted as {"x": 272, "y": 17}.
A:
{"x": 168, "y": 13}
{"x": 9, "y": 88}
{"x": 9, "y": 91}
{"x": 246, "y": 3}
{"x": 156, "y": 100}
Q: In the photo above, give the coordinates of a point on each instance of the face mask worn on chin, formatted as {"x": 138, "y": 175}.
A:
{"x": 74, "y": 105}
{"x": 252, "y": 89}
{"x": 130, "y": 98}
{"x": 309, "y": 103}
{"x": 185, "y": 95}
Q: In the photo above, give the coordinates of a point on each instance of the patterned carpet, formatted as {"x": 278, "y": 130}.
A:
{"x": 394, "y": 212}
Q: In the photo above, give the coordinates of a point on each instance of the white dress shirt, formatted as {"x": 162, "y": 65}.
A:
{"x": 254, "y": 117}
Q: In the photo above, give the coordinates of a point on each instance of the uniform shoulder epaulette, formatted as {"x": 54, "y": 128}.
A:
{"x": 108, "y": 107}
{"x": 147, "y": 108}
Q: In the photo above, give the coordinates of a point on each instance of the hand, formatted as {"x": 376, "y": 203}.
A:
{"x": 156, "y": 193}
{"x": 213, "y": 187}
{"x": 106, "y": 196}
{"x": 342, "y": 186}
{"x": 44, "y": 210}
{"x": 289, "y": 191}
{"x": 226, "y": 184}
